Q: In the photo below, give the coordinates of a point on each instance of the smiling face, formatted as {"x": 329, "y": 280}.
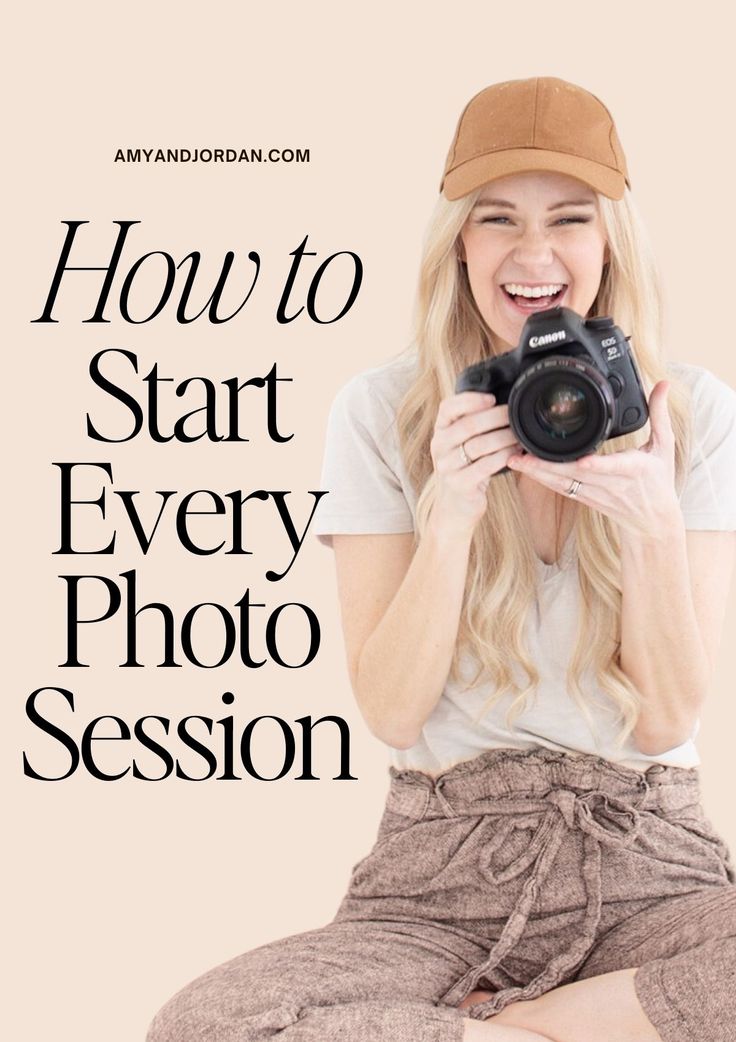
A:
{"x": 532, "y": 241}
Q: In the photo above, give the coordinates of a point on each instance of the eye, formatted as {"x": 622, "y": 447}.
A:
{"x": 573, "y": 220}
{"x": 499, "y": 219}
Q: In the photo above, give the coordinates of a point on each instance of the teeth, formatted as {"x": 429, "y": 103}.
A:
{"x": 517, "y": 290}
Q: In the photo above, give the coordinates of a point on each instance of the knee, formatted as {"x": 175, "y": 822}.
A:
{"x": 223, "y": 1006}
{"x": 184, "y": 1018}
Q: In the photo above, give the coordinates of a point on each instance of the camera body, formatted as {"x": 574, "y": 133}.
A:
{"x": 570, "y": 384}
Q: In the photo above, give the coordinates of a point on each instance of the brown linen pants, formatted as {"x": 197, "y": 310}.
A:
{"x": 513, "y": 873}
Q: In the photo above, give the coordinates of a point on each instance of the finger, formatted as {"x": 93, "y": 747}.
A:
{"x": 461, "y": 457}
{"x": 593, "y": 497}
{"x": 448, "y": 459}
{"x": 555, "y": 482}
{"x": 447, "y": 441}
{"x": 491, "y": 441}
{"x": 560, "y": 476}
{"x": 468, "y": 427}
{"x": 530, "y": 464}
{"x": 597, "y": 469}
{"x": 457, "y": 405}
{"x": 481, "y": 472}
{"x": 561, "y": 484}
{"x": 662, "y": 436}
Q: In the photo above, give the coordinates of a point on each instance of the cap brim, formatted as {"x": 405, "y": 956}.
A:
{"x": 482, "y": 169}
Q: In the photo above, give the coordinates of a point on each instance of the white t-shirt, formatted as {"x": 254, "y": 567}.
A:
{"x": 370, "y": 492}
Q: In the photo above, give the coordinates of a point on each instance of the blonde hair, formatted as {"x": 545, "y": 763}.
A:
{"x": 502, "y": 575}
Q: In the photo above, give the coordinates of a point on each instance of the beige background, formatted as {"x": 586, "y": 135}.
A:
{"x": 119, "y": 893}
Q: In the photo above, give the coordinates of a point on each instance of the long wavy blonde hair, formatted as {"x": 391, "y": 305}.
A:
{"x": 502, "y": 576}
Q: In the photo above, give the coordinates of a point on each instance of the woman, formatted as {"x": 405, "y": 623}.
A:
{"x": 533, "y": 640}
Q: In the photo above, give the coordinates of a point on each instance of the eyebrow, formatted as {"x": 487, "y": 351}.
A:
{"x": 557, "y": 206}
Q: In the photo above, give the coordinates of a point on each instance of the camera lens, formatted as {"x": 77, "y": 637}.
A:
{"x": 561, "y": 408}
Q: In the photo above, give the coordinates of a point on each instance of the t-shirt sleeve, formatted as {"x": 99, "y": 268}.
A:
{"x": 708, "y": 499}
{"x": 360, "y": 469}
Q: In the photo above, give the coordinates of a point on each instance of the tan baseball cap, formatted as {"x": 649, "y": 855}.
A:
{"x": 537, "y": 124}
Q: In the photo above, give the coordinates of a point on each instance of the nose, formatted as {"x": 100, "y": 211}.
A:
{"x": 533, "y": 248}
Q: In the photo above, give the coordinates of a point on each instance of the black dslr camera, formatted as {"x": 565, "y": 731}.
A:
{"x": 570, "y": 384}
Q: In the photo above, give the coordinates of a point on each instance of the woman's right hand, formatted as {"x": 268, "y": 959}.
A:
{"x": 468, "y": 425}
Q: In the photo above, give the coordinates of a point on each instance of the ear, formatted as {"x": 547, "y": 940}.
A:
{"x": 606, "y": 254}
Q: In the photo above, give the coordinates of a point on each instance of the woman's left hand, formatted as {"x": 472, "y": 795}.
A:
{"x": 635, "y": 487}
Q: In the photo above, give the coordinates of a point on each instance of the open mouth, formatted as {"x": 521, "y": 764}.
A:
{"x": 534, "y": 298}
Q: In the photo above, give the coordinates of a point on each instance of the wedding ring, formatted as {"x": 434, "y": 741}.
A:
{"x": 466, "y": 458}
{"x": 572, "y": 491}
